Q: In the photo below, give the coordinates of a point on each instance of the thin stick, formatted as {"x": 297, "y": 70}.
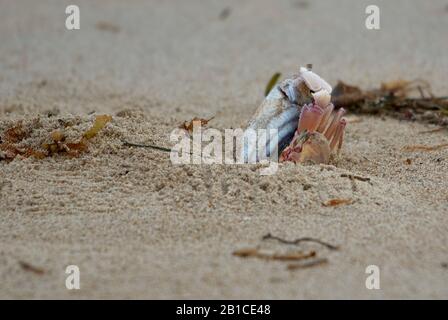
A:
{"x": 151, "y": 146}
{"x": 297, "y": 241}
{"x": 351, "y": 177}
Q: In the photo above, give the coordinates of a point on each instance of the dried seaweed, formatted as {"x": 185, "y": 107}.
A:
{"x": 299, "y": 240}
{"x": 337, "y": 202}
{"x": 60, "y": 145}
{"x": 397, "y": 99}
{"x": 246, "y": 252}
{"x": 11, "y": 138}
{"x": 305, "y": 259}
{"x": 98, "y": 125}
{"x": 15, "y": 134}
{"x": 9, "y": 147}
{"x": 257, "y": 253}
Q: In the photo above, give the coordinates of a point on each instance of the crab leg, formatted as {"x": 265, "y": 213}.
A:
{"x": 309, "y": 118}
{"x": 334, "y": 123}
{"x": 325, "y": 117}
{"x": 338, "y": 135}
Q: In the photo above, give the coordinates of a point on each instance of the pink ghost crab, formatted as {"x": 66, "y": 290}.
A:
{"x": 300, "y": 109}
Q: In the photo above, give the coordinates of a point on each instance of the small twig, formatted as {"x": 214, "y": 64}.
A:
{"x": 256, "y": 253}
{"x": 297, "y": 241}
{"x": 151, "y": 146}
{"x": 351, "y": 177}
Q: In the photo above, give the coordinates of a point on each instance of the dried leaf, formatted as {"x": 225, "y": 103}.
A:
{"x": 188, "y": 125}
{"x": 343, "y": 88}
{"x": 28, "y": 267}
{"x": 337, "y": 202}
{"x": 421, "y": 147}
{"x": 272, "y": 82}
{"x": 14, "y": 134}
{"x": 107, "y": 26}
{"x": 74, "y": 149}
{"x": 30, "y": 152}
{"x": 10, "y": 151}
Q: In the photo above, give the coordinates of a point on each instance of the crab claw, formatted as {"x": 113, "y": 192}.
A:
{"x": 322, "y": 98}
{"x": 309, "y": 118}
{"x": 281, "y": 110}
{"x": 320, "y": 131}
{"x": 311, "y": 147}
{"x": 313, "y": 81}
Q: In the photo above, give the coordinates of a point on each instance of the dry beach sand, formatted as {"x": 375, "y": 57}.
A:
{"x": 140, "y": 227}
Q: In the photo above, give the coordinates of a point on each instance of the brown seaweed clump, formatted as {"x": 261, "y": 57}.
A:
{"x": 402, "y": 99}
{"x": 17, "y": 139}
